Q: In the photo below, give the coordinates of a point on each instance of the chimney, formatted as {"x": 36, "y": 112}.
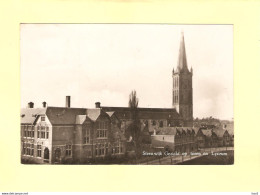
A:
{"x": 67, "y": 102}
{"x": 97, "y": 104}
{"x": 44, "y": 104}
{"x": 30, "y": 105}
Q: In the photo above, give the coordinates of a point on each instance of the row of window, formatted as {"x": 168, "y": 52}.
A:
{"x": 87, "y": 137}
{"x": 28, "y": 149}
{"x": 102, "y": 133}
{"x": 102, "y": 149}
{"x": 42, "y": 131}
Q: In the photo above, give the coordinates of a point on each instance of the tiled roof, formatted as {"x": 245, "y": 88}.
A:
{"x": 29, "y": 115}
{"x": 93, "y": 113}
{"x": 174, "y": 130}
{"x": 207, "y": 132}
{"x": 219, "y": 132}
{"x": 196, "y": 129}
{"x": 144, "y": 113}
{"x": 110, "y": 113}
{"x": 80, "y": 119}
{"x": 63, "y": 115}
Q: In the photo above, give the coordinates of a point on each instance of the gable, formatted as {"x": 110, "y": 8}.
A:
{"x": 63, "y": 115}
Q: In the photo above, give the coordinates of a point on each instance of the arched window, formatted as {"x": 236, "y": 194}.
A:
{"x": 46, "y": 154}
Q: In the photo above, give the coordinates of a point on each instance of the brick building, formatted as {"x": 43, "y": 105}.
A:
{"x": 65, "y": 134}
{"x": 69, "y": 135}
{"x": 175, "y": 139}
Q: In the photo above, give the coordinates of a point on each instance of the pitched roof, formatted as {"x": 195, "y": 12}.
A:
{"x": 80, "y": 119}
{"x": 64, "y": 115}
{"x": 29, "y": 115}
{"x": 144, "y": 113}
{"x": 110, "y": 113}
{"x": 196, "y": 129}
{"x": 207, "y": 132}
{"x": 219, "y": 132}
{"x": 93, "y": 113}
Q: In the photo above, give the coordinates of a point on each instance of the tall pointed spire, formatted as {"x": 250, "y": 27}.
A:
{"x": 182, "y": 61}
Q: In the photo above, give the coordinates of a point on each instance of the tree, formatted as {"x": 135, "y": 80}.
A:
{"x": 135, "y": 127}
{"x": 133, "y": 100}
{"x": 133, "y": 105}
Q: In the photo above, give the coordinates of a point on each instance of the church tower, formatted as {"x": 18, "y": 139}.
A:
{"x": 182, "y": 87}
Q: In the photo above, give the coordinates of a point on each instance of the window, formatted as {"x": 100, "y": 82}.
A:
{"x": 47, "y": 132}
{"x": 154, "y": 122}
{"x": 102, "y": 149}
{"x": 117, "y": 148}
{"x": 32, "y": 133}
{"x": 29, "y": 131}
{"x": 102, "y": 129}
{"x": 32, "y": 149}
{"x": 68, "y": 150}
{"x": 28, "y": 149}
{"x": 39, "y": 150}
{"x": 103, "y": 125}
{"x": 42, "y": 132}
{"x": 43, "y": 118}
{"x": 25, "y": 131}
{"x": 23, "y": 148}
{"x": 113, "y": 149}
{"x": 87, "y": 138}
{"x": 101, "y": 133}
{"x": 38, "y": 131}
{"x": 106, "y": 148}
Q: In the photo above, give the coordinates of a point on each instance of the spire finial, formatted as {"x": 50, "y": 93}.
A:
{"x": 182, "y": 61}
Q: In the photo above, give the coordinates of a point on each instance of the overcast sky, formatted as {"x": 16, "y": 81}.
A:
{"x": 104, "y": 62}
